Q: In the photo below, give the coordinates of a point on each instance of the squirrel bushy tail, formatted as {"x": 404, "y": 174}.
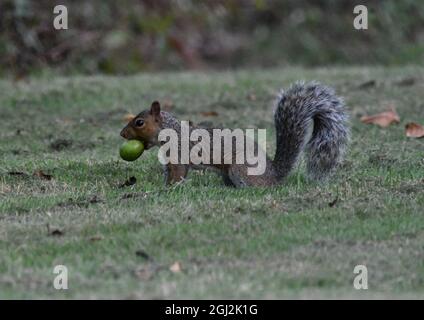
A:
{"x": 304, "y": 108}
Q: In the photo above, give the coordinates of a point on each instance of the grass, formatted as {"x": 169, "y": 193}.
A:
{"x": 282, "y": 242}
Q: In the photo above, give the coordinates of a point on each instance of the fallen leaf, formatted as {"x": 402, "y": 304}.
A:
{"x": 131, "y": 181}
{"x": 209, "y": 113}
{"x": 96, "y": 238}
{"x": 128, "y": 117}
{"x": 251, "y": 97}
{"x": 383, "y": 119}
{"x": 175, "y": 267}
{"x": 43, "y": 175}
{"x": 414, "y": 130}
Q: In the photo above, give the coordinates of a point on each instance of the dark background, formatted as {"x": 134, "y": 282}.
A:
{"x": 121, "y": 37}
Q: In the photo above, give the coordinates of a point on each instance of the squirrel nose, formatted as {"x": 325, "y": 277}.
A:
{"x": 124, "y": 133}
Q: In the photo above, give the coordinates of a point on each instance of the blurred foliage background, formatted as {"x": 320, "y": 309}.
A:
{"x": 128, "y": 36}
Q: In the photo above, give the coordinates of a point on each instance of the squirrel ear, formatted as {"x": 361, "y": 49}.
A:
{"x": 155, "y": 108}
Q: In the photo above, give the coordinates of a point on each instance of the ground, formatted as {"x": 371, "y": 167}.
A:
{"x": 298, "y": 240}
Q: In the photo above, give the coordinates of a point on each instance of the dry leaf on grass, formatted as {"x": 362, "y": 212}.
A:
{"x": 96, "y": 238}
{"x": 175, "y": 267}
{"x": 209, "y": 113}
{"x": 42, "y": 175}
{"x": 383, "y": 119}
{"x": 128, "y": 117}
{"x": 414, "y": 130}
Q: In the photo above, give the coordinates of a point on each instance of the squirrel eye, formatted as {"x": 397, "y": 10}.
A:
{"x": 139, "y": 122}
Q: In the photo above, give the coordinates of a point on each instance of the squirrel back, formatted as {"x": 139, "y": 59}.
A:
{"x": 298, "y": 110}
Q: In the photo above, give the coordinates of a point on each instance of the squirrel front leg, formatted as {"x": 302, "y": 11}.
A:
{"x": 175, "y": 173}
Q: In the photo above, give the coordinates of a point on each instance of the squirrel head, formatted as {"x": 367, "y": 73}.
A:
{"x": 145, "y": 127}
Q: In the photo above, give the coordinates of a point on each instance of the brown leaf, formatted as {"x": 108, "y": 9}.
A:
{"x": 251, "y": 97}
{"x": 42, "y": 175}
{"x": 383, "y": 119}
{"x": 414, "y": 130}
{"x": 128, "y": 117}
{"x": 175, "y": 267}
{"x": 209, "y": 113}
{"x": 96, "y": 238}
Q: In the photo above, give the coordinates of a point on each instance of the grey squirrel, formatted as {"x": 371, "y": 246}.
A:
{"x": 297, "y": 110}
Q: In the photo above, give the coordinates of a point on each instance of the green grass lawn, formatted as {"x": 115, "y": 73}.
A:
{"x": 299, "y": 240}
